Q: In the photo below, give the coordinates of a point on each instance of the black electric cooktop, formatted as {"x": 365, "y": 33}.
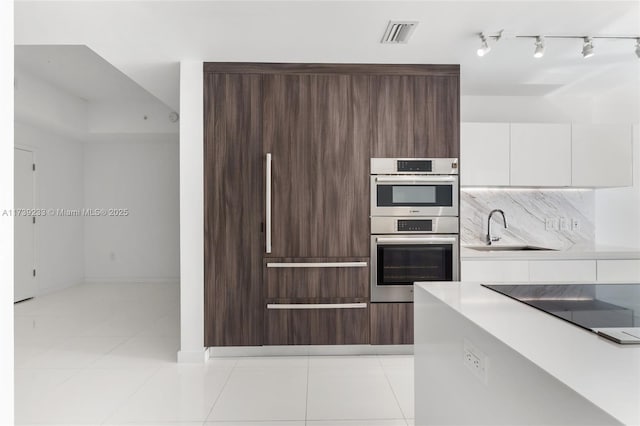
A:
{"x": 611, "y": 310}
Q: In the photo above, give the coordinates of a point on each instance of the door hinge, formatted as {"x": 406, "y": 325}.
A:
{"x": 34, "y": 167}
{"x": 34, "y": 272}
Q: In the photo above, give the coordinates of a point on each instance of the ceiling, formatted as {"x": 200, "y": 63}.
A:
{"x": 146, "y": 40}
{"x": 79, "y": 71}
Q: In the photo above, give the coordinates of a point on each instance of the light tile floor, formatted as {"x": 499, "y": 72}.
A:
{"x": 104, "y": 354}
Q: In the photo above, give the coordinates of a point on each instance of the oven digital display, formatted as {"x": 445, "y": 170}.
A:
{"x": 414, "y": 165}
{"x": 425, "y": 225}
{"x": 413, "y": 194}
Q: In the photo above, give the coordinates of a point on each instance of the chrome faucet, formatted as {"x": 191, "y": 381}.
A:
{"x": 491, "y": 239}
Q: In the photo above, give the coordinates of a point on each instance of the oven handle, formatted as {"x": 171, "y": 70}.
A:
{"x": 428, "y": 240}
{"x": 404, "y": 179}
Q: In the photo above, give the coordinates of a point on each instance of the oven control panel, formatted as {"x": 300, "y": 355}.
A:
{"x": 414, "y": 165}
{"x": 415, "y": 225}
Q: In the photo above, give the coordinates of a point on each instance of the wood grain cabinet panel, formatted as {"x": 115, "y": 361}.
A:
{"x": 392, "y": 115}
{"x": 233, "y": 197}
{"x": 436, "y": 130}
{"x": 321, "y": 123}
{"x": 316, "y": 129}
{"x": 333, "y": 326}
{"x": 348, "y": 278}
{"x": 391, "y": 323}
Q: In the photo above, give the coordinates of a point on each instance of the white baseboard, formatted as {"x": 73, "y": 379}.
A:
{"x": 193, "y": 357}
{"x": 132, "y": 280}
{"x": 305, "y": 350}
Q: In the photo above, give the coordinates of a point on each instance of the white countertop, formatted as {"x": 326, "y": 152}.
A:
{"x": 575, "y": 252}
{"x": 605, "y": 373}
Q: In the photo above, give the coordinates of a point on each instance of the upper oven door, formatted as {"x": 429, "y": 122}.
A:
{"x": 414, "y": 195}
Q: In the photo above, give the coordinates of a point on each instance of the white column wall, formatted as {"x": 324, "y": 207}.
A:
{"x": 191, "y": 213}
{"x": 6, "y": 202}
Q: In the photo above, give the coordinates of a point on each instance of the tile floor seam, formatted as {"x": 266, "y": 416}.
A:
{"x": 118, "y": 406}
{"x": 215, "y": 401}
{"x": 95, "y": 361}
{"x": 404, "y": 416}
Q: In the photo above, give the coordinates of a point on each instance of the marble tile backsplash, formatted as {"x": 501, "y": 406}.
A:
{"x": 526, "y": 211}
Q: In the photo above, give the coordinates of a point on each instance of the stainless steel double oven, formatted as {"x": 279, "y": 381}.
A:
{"x": 414, "y": 225}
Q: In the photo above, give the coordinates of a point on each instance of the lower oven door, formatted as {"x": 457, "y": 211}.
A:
{"x": 397, "y": 261}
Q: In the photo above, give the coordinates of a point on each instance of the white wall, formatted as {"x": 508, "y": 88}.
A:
{"x": 143, "y": 177}
{"x": 129, "y": 117}
{"x": 49, "y": 107}
{"x": 191, "y": 213}
{"x": 6, "y": 202}
{"x": 526, "y": 109}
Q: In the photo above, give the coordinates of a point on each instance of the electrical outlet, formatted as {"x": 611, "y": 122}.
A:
{"x": 564, "y": 224}
{"x": 575, "y": 224}
{"x": 476, "y": 361}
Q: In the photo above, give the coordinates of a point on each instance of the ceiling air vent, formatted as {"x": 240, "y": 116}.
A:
{"x": 398, "y": 32}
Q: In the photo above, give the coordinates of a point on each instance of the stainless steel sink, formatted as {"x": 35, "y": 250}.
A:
{"x": 509, "y": 248}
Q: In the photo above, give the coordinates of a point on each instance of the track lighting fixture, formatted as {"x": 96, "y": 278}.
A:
{"x": 484, "y": 43}
{"x": 587, "y": 42}
{"x": 587, "y": 48}
{"x": 539, "y": 52}
{"x": 484, "y": 46}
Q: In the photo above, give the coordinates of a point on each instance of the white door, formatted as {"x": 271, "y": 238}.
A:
{"x": 24, "y": 282}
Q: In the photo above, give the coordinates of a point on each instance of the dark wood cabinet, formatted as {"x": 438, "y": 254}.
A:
{"x": 436, "y": 100}
{"x": 317, "y": 130}
{"x": 391, "y": 323}
{"x": 321, "y": 123}
{"x": 233, "y": 200}
{"x": 415, "y": 116}
{"x": 392, "y": 115}
{"x": 317, "y": 278}
{"x": 317, "y": 326}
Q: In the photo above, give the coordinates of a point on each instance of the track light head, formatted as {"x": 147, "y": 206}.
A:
{"x": 539, "y": 52}
{"x": 484, "y": 46}
{"x": 587, "y": 48}
{"x": 638, "y": 47}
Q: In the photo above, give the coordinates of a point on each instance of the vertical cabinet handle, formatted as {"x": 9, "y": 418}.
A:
{"x": 268, "y": 205}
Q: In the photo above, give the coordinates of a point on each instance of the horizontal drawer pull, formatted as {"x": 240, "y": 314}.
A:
{"x": 316, "y": 305}
{"x": 317, "y": 265}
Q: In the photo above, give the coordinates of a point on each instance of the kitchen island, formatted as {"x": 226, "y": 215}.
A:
{"x": 483, "y": 358}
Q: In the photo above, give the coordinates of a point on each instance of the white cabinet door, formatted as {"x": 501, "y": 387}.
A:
{"x": 540, "y": 154}
{"x": 495, "y": 270}
{"x": 601, "y": 155}
{"x": 619, "y": 270}
{"x": 562, "y": 270}
{"x": 484, "y": 154}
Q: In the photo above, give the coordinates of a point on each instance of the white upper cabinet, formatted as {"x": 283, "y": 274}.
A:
{"x": 602, "y": 155}
{"x": 484, "y": 154}
{"x": 540, "y": 154}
